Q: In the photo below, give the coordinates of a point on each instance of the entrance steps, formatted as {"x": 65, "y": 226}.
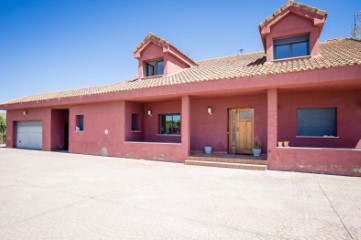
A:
{"x": 228, "y": 161}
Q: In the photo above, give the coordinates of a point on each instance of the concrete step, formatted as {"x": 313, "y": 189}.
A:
{"x": 250, "y": 160}
{"x": 226, "y": 165}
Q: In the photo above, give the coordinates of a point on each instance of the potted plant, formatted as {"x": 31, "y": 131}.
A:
{"x": 257, "y": 147}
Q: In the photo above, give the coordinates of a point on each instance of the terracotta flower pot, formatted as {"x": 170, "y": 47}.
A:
{"x": 286, "y": 143}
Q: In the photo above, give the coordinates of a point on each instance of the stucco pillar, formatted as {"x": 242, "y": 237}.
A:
{"x": 271, "y": 120}
{"x": 185, "y": 121}
{"x": 47, "y": 130}
{"x": 122, "y": 122}
{"x": 10, "y": 130}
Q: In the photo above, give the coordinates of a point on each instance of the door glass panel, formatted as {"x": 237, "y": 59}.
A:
{"x": 250, "y": 114}
{"x": 234, "y": 129}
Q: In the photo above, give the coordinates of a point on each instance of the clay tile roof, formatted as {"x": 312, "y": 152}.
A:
{"x": 296, "y": 5}
{"x": 152, "y": 36}
{"x": 333, "y": 53}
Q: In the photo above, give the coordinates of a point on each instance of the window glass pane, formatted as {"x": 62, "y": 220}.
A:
{"x": 135, "y": 122}
{"x": 79, "y": 123}
{"x": 250, "y": 114}
{"x": 170, "y": 124}
{"x": 291, "y": 47}
{"x": 300, "y": 49}
{"x": 150, "y": 69}
{"x": 282, "y": 51}
{"x": 160, "y": 68}
{"x": 317, "y": 122}
{"x": 162, "y": 124}
{"x": 154, "y": 68}
{"x": 176, "y": 124}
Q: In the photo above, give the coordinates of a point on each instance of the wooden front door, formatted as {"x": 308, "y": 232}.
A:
{"x": 241, "y": 130}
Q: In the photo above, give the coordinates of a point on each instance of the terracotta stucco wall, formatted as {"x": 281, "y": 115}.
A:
{"x": 155, "y": 52}
{"x": 171, "y": 152}
{"x": 286, "y": 28}
{"x": 212, "y": 130}
{"x": 151, "y": 123}
{"x": 109, "y": 116}
{"x": 348, "y": 104}
{"x": 134, "y": 108}
{"x": 319, "y": 160}
{"x": 40, "y": 114}
{"x": 172, "y": 64}
{"x": 103, "y": 129}
{"x": 326, "y": 161}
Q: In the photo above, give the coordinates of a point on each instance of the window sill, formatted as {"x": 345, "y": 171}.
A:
{"x": 320, "y": 149}
{"x": 136, "y": 131}
{"x": 78, "y": 131}
{"x": 169, "y": 135}
{"x": 318, "y": 137}
{"x": 291, "y": 58}
{"x": 150, "y": 77}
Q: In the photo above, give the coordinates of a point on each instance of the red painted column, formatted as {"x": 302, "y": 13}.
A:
{"x": 272, "y": 130}
{"x": 185, "y": 123}
{"x": 10, "y": 130}
{"x": 46, "y": 119}
{"x": 122, "y": 122}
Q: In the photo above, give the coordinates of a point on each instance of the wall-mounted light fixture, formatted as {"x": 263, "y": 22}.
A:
{"x": 210, "y": 111}
{"x": 149, "y": 112}
{"x": 25, "y": 113}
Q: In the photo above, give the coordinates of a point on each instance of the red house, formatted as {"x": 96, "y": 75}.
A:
{"x": 297, "y": 89}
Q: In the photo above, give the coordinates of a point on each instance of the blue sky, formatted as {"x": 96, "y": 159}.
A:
{"x": 53, "y": 45}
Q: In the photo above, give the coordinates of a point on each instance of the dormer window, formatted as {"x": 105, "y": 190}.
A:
{"x": 292, "y": 47}
{"x": 154, "y": 68}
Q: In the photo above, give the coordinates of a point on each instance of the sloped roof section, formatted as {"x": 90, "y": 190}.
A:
{"x": 289, "y": 4}
{"x": 334, "y": 53}
{"x": 151, "y": 37}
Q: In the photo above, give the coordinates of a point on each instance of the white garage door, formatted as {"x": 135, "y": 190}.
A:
{"x": 29, "y": 135}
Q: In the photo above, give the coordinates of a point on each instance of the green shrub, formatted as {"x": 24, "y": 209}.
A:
{"x": 2, "y": 130}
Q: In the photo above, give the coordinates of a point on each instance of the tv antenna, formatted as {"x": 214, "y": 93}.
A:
{"x": 241, "y": 50}
{"x": 356, "y": 29}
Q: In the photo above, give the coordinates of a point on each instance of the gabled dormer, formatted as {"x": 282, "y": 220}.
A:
{"x": 157, "y": 57}
{"x": 293, "y": 31}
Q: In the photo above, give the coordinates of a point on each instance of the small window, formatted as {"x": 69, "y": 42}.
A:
{"x": 79, "y": 123}
{"x": 170, "y": 124}
{"x": 316, "y": 122}
{"x": 154, "y": 68}
{"x": 291, "y": 47}
{"x": 135, "y": 122}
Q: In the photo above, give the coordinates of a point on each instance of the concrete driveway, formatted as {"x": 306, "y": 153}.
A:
{"x": 47, "y": 195}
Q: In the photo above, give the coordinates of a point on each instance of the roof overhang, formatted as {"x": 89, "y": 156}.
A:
{"x": 166, "y": 46}
{"x": 315, "y": 15}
